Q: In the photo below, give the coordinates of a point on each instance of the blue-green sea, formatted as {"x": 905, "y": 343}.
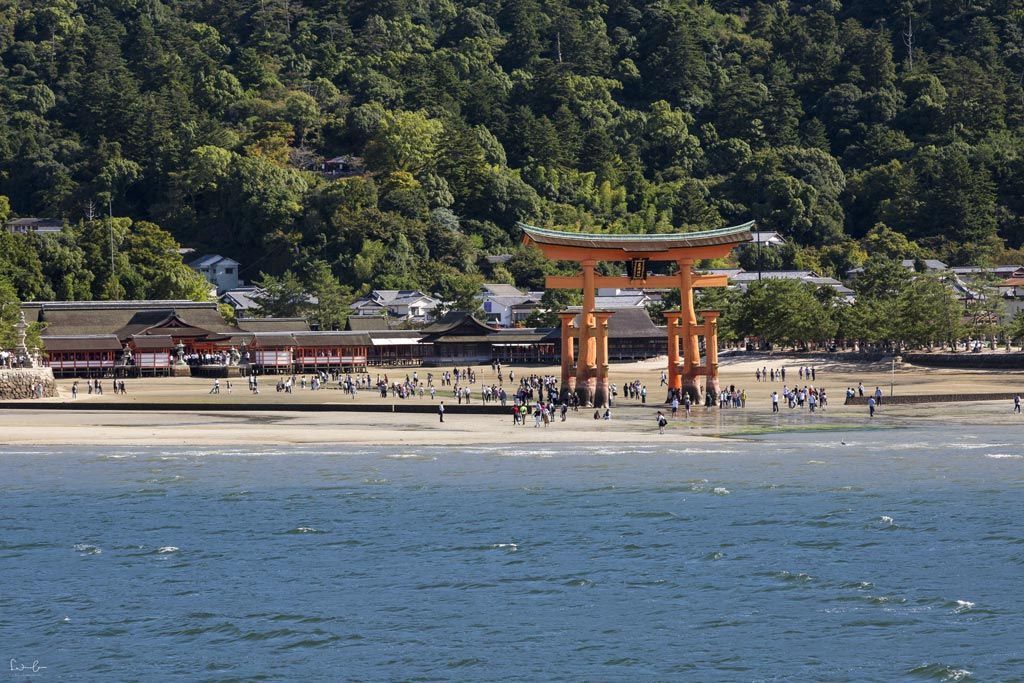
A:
{"x": 862, "y": 556}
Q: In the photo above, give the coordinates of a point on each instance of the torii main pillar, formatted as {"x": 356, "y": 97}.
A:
{"x": 602, "y": 392}
{"x": 689, "y": 383}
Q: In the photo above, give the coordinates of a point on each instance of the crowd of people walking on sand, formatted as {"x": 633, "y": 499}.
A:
{"x": 766, "y": 374}
{"x": 809, "y": 397}
{"x": 95, "y": 386}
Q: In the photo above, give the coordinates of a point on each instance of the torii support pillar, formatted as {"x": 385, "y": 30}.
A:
{"x": 568, "y": 351}
{"x": 602, "y": 393}
{"x": 673, "y": 323}
{"x": 711, "y": 350}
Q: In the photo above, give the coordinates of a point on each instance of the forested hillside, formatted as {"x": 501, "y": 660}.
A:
{"x": 822, "y": 120}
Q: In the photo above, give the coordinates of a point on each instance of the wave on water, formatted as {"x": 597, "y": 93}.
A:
{"x": 167, "y": 550}
{"x": 1000, "y": 456}
{"x": 963, "y": 606}
{"x": 304, "y": 530}
{"x": 579, "y": 582}
{"x": 87, "y": 549}
{"x": 704, "y": 451}
{"x": 887, "y": 521}
{"x": 940, "y": 672}
{"x": 507, "y": 547}
{"x": 885, "y": 599}
{"x": 409, "y": 456}
{"x": 720, "y": 491}
{"x": 524, "y": 453}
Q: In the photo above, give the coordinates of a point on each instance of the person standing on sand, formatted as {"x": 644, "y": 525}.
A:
{"x": 1016, "y": 404}
{"x": 675, "y": 406}
{"x": 775, "y": 401}
{"x": 871, "y": 407}
{"x": 687, "y": 404}
{"x": 661, "y": 422}
{"x": 440, "y": 411}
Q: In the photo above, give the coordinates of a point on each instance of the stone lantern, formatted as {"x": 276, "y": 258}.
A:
{"x": 21, "y": 350}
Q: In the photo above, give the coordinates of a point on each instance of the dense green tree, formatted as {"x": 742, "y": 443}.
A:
{"x": 212, "y": 121}
{"x": 333, "y": 299}
{"x": 784, "y": 312}
{"x": 927, "y": 312}
{"x": 157, "y": 267}
{"x": 280, "y": 297}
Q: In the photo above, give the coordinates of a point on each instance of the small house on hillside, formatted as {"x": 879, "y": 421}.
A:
{"x": 506, "y": 305}
{"x": 24, "y": 226}
{"x": 408, "y": 304}
{"x": 220, "y": 271}
{"x": 343, "y": 166}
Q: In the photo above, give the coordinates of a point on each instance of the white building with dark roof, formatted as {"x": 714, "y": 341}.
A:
{"x": 408, "y": 304}
{"x": 769, "y": 239}
{"x": 220, "y": 271}
{"x": 506, "y": 305}
{"x": 24, "y": 226}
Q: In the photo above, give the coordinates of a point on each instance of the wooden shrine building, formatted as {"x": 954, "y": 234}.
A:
{"x": 584, "y": 335}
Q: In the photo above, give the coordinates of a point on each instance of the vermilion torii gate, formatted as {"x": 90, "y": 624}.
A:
{"x": 586, "y": 328}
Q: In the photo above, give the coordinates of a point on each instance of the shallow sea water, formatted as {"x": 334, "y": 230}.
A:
{"x": 898, "y": 555}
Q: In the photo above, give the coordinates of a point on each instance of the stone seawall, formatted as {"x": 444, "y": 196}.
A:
{"x": 218, "y": 407}
{"x": 933, "y": 398}
{"x": 20, "y": 383}
{"x": 980, "y": 361}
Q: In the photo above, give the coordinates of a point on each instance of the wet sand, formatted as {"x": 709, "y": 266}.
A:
{"x": 632, "y": 422}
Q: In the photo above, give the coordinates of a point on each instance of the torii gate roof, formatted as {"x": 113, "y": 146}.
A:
{"x": 644, "y": 243}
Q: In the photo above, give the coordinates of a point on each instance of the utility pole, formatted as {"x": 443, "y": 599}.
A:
{"x": 110, "y": 226}
{"x": 908, "y": 36}
{"x": 759, "y": 261}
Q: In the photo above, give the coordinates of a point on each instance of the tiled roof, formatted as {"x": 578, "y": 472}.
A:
{"x": 82, "y": 342}
{"x": 209, "y": 260}
{"x": 123, "y": 318}
{"x": 744, "y": 276}
{"x": 501, "y": 289}
{"x": 621, "y": 301}
{"x": 273, "y": 324}
{"x": 642, "y": 242}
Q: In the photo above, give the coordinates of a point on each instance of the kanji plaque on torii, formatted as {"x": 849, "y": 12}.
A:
{"x": 588, "y": 327}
